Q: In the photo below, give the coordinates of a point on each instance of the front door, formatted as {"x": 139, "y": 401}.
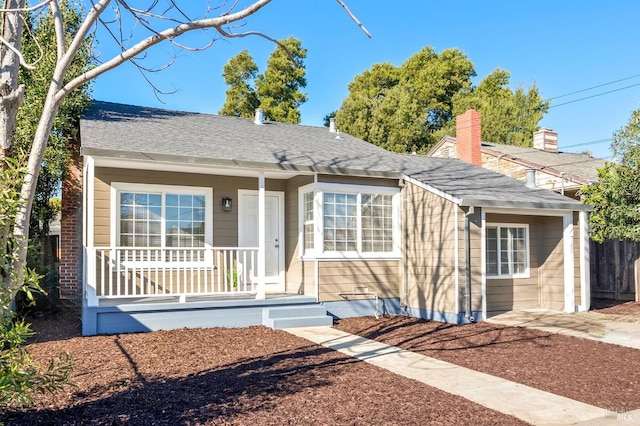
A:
{"x": 274, "y": 233}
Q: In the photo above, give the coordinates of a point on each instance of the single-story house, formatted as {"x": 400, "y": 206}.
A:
{"x": 612, "y": 264}
{"x": 178, "y": 219}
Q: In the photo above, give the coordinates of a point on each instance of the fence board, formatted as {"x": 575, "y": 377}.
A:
{"x": 613, "y": 269}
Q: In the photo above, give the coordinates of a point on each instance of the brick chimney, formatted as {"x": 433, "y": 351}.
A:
{"x": 546, "y": 140}
{"x": 468, "y": 137}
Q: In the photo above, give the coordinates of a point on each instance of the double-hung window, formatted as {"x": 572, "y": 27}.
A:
{"x": 507, "y": 251}
{"x": 154, "y": 222}
{"x": 349, "y": 221}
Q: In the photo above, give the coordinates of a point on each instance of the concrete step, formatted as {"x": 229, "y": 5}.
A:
{"x": 294, "y": 311}
{"x": 307, "y": 315}
{"x": 294, "y": 322}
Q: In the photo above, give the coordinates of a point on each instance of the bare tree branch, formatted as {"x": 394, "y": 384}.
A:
{"x": 354, "y": 18}
{"x": 152, "y": 40}
{"x": 28, "y": 9}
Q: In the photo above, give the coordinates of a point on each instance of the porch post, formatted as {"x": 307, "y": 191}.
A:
{"x": 585, "y": 264}
{"x": 567, "y": 237}
{"x": 260, "y": 294}
{"x": 88, "y": 252}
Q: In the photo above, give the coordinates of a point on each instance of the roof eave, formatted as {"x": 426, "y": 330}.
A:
{"x": 535, "y": 205}
{"x": 249, "y": 165}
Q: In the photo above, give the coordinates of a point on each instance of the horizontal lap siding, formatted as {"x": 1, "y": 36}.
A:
{"x": 520, "y": 293}
{"x": 299, "y": 275}
{"x": 225, "y": 225}
{"x": 380, "y": 276}
{"x": 552, "y": 264}
{"x": 430, "y": 251}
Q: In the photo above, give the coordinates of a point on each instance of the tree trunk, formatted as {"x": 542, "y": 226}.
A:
{"x": 11, "y": 94}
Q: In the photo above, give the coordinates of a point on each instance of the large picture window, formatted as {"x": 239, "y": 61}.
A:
{"x": 347, "y": 221}
{"x": 154, "y": 216}
{"x": 507, "y": 251}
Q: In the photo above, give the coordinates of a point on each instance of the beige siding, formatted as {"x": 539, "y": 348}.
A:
{"x": 355, "y": 180}
{"x": 576, "y": 258}
{"x": 430, "y": 251}
{"x": 380, "y": 276}
{"x": 521, "y": 293}
{"x": 552, "y": 268}
{"x": 299, "y": 275}
{"x": 225, "y": 225}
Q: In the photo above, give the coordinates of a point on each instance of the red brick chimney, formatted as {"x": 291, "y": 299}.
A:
{"x": 468, "y": 131}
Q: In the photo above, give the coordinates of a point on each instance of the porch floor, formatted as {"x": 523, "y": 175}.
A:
{"x": 230, "y": 297}
{"x": 128, "y": 315}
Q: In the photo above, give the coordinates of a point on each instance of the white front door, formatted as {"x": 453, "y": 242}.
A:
{"x": 274, "y": 233}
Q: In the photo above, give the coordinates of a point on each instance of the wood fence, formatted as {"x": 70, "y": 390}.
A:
{"x": 615, "y": 270}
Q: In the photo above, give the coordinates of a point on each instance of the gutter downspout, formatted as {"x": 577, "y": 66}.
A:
{"x": 405, "y": 267}
{"x": 467, "y": 259}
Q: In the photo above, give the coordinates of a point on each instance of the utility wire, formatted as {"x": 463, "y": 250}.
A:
{"x": 593, "y": 96}
{"x": 593, "y": 87}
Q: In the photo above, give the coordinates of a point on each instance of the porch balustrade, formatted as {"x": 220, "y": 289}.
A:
{"x": 147, "y": 272}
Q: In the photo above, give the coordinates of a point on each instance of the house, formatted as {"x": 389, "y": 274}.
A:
{"x": 178, "y": 219}
{"x": 548, "y": 168}
{"x": 544, "y": 166}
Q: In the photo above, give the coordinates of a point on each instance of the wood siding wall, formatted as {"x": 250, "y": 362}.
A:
{"x": 300, "y": 276}
{"x": 545, "y": 286}
{"x": 380, "y": 276}
{"x": 430, "y": 251}
{"x": 225, "y": 225}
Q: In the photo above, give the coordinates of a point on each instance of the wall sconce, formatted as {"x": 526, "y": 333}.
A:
{"x": 227, "y": 204}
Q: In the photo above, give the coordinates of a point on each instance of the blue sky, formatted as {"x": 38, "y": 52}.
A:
{"x": 561, "y": 46}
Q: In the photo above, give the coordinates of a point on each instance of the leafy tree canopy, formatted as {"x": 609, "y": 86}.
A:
{"x": 409, "y": 108}
{"x": 277, "y": 91}
{"x": 39, "y": 45}
{"x": 508, "y": 117}
{"x": 616, "y": 196}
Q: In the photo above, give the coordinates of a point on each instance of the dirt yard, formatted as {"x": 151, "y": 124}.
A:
{"x": 260, "y": 376}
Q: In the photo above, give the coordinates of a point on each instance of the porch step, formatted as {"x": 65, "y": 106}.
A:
{"x": 308, "y": 315}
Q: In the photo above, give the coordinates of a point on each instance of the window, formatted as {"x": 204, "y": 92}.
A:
{"x": 154, "y": 216}
{"x": 507, "y": 251}
{"x": 348, "y": 221}
{"x": 308, "y": 221}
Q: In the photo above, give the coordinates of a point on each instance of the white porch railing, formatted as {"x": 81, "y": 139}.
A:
{"x": 130, "y": 272}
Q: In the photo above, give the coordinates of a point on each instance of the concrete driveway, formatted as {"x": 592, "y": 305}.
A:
{"x": 614, "y": 329}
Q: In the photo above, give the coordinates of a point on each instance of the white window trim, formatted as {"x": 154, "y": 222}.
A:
{"x": 318, "y": 252}
{"x": 527, "y": 272}
{"x": 117, "y": 187}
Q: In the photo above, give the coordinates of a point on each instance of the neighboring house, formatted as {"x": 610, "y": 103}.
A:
{"x": 543, "y": 166}
{"x": 562, "y": 172}
{"x": 184, "y": 217}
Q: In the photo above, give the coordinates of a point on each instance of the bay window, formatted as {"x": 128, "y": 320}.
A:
{"x": 348, "y": 221}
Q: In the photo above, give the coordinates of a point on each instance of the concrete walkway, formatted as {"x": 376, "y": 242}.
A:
{"x": 526, "y": 403}
{"x": 617, "y": 330}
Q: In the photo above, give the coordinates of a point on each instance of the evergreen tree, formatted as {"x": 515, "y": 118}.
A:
{"x": 239, "y": 73}
{"x": 277, "y": 91}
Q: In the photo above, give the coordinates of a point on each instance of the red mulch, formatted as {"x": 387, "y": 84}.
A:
{"x": 616, "y": 307}
{"x": 600, "y": 374}
{"x": 259, "y": 376}
{"x": 217, "y": 376}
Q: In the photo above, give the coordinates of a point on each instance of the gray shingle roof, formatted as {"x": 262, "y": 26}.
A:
{"x": 127, "y": 131}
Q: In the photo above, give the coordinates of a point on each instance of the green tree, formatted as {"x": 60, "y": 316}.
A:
{"x": 279, "y": 87}
{"x": 616, "y": 195}
{"x": 241, "y": 97}
{"x": 508, "y": 117}
{"x": 402, "y": 108}
{"x": 277, "y": 91}
{"x": 20, "y": 375}
{"x": 39, "y": 45}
